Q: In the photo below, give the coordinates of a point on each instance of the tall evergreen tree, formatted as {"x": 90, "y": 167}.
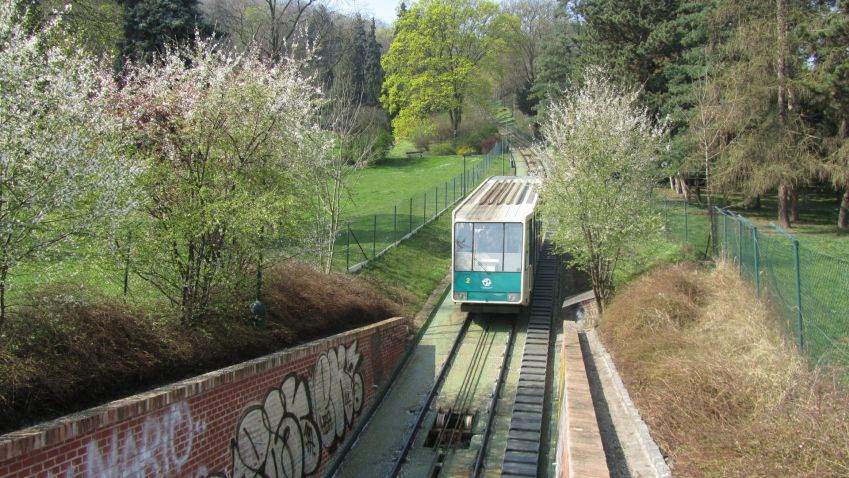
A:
{"x": 150, "y": 24}
{"x": 825, "y": 36}
{"x": 373, "y": 73}
{"x": 558, "y": 63}
{"x": 634, "y": 39}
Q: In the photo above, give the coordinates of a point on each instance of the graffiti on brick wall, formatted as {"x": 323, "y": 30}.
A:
{"x": 337, "y": 392}
{"x": 162, "y": 448}
{"x": 284, "y": 436}
{"x": 279, "y": 437}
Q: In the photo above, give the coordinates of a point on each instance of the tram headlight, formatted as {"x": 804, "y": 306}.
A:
{"x": 513, "y": 297}
{"x": 461, "y": 296}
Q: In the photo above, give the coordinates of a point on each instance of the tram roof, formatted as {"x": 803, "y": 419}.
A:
{"x": 500, "y": 198}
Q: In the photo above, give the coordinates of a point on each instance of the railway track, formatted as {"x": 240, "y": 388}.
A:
{"x": 452, "y": 432}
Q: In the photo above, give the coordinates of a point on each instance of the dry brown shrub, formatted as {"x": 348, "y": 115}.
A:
{"x": 311, "y": 303}
{"x": 72, "y": 348}
{"x": 722, "y": 392}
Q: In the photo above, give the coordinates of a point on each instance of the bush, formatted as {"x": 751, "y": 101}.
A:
{"x": 442, "y": 149}
{"x": 722, "y": 392}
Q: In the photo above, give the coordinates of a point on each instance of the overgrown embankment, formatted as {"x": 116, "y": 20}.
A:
{"x": 723, "y": 394}
{"x": 71, "y": 348}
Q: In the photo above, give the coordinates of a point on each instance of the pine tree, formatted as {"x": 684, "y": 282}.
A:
{"x": 634, "y": 39}
{"x": 373, "y": 73}
{"x": 351, "y": 68}
{"x": 558, "y": 64}
{"x": 150, "y": 24}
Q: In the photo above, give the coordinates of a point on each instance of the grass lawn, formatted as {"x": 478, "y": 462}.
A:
{"x": 394, "y": 197}
{"x": 378, "y": 188}
{"x": 408, "y": 273}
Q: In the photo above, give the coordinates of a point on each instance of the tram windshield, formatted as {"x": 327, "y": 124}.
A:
{"x": 488, "y": 246}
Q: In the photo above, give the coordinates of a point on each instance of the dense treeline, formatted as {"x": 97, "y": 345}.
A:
{"x": 754, "y": 93}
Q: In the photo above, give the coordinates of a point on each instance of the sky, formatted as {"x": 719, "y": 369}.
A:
{"x": 382, "y": 10}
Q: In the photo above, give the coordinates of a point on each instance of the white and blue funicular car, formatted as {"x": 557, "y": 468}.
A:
{"x": 496, "y": 241}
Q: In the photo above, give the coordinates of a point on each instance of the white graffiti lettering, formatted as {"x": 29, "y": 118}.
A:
{"x": 162, "y": 449}
{"x": 337, "y": 388}
{"x": 278, "y": 438}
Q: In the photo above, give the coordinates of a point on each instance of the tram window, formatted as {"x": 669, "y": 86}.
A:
{"x": 513, "y": 247}
{"x": 463, "y": 246}
{"x": 488, "y": 247}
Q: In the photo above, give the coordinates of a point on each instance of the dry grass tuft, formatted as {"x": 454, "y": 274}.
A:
{"x": 723, "y": 394}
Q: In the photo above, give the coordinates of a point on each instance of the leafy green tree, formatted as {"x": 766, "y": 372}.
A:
{"x": 599, "y": 165}
{"x": 758, "y": 70}
{"x": 535, "y": 22}
{"x": 634, "y": 39}
{"x": 431, "y": 65}
{"x": 96, "y": 25}
{"x": 558, "y": 64}
{"x": 351, "y": 69}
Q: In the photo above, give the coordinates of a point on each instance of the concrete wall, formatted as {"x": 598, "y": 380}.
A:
{"x": 284, "y": 414}
{"x": 580, "y": 452}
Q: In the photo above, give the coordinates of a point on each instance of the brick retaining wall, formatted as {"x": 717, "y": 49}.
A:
{"x": 284, "y": 414}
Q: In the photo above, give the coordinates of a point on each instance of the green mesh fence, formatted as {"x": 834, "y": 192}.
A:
{"x": 808, "y": 288}
{"x": 362, "y": 238}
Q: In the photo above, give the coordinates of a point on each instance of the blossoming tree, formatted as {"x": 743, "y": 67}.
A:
{"x": 62, "y": 167}
{"x": 599, "y": 162}
{"x": 229, "y": 140}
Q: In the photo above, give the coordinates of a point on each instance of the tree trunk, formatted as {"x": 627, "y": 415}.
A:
{"x": 784, "y": 206}
{"x": 456, "y": 115}
{"x": 684, "y": 188}
{"x": 781, "y": 49}
{"x": 672, "y": 183}
{"x": 843, "y": 217}
{"x": 4, "y": 273}
{"x": 794, "y": 204}
{"x": 752, "y": 203}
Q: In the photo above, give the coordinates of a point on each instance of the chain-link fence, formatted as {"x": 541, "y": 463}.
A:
{"x": 809, "y": 288}
{"x": 363, "y": 238}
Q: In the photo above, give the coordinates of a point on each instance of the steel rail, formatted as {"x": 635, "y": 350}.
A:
{"x": 471, "y": 371}
{"x": 411, "y": 437}
{"x": 502, "y": 377}
{"x": 464, "y": 396}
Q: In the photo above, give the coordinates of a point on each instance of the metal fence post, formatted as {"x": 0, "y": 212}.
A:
{"x": 424, "y": 209}
{"x": 435, "y": 201}
{"x": 348, "y": 249}
{"x": 725, "y": 234}
{"x": 686, "y": 224}
{"x": 740, "y": 243}
{"x": 411, "y": 214}
{"x": 799, "y": 319}
{"x": 798, "y": 294}
{"x": 757, "y": 260}
{"x": 446, "y": 195}
{"x": 374, "y": 239}
{"x": 395, "y": 224}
